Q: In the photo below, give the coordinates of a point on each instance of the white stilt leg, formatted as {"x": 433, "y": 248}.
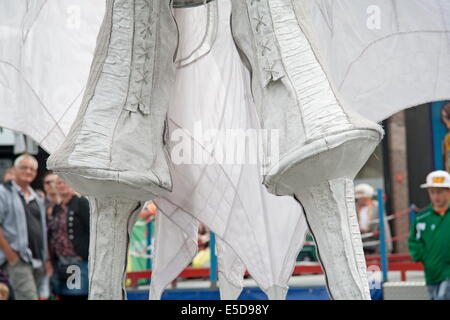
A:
{"x": 111, "y": 222}
{"x": 331, "y": 215}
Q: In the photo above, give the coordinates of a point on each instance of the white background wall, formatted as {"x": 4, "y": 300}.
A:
{"x": 6, "y": 137}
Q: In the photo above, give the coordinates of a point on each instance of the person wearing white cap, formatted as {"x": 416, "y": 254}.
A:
{"x": 367, "y": 210}
{"x": 364, "y": 206}
{"x": 429, "y": 240}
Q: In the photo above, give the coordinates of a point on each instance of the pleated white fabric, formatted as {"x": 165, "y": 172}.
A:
{"x": 255, "y": 229}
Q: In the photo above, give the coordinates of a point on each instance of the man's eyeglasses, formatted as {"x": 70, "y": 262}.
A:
{"x": 27, "y": 168}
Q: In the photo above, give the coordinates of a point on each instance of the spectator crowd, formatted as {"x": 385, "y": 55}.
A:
{"x": 429, "y": 237}
{"x": 44, "y": 236}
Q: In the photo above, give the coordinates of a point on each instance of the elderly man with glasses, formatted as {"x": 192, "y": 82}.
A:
{"x": 23, "y": 240}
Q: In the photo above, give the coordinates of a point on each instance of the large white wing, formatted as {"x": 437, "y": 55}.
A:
{"x": 46, "y": 48}
{"x": 382, "y": 56}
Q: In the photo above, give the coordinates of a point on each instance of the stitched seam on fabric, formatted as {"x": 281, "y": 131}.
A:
{"x": 319, "y": 59}
{"x": 156, "y": 53}
{"x": 288, "y": 258}
{"x": 35, "y": 94}
{"x": 145, "y": 61}
{"x": 132, "y": 53}
{"x": 234, "y": 200}
{"x": 354, "y": 251}
{"x": 56, "y": 125}
{"x": 308, "y": 222}
{"x": 24, "y": 39}
{"x": 127, "y": 248}
{"x": 103, "y": 52}
{"x": 395, "y": 9}
{"x": 181, "y": 247}
{"x": 292, "y": 87}
{"x": 404, "y": 33}
{"x": 254, "y": 45}
{"x": 268, "y": 240}
{"x": 205, "y": 35}
{"x": 94, "y": 265}
{"x": 315, "y": 52}
{"x": 113, "y": 135}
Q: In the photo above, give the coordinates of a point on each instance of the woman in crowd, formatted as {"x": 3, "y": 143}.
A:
{"x": 68, "y": 238}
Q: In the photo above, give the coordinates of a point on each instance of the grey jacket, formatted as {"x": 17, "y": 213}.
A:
{"x": 14, "y": 223}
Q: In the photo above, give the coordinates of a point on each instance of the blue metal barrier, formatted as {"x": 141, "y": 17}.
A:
{"x": 383, "y": 248}
{"x": 213, "y": 268}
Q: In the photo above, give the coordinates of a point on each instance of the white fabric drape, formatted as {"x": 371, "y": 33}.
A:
{"x": 255, "y": 229}
{"x": 46, "y": 48}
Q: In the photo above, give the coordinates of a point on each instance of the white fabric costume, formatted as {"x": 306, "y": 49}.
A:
{"x": 377, "y": 56}
{"x": 229, "y": 199}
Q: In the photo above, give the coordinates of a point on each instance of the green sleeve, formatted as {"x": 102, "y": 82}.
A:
{"x": 416, "y": 246}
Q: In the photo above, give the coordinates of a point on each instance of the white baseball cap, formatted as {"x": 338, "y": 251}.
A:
{"x": 364, "y": 191}
{"x": 437, "y": 179}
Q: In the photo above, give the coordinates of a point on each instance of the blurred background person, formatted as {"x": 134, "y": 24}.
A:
{"x": 8, "y": 293}
{"x": 10, "y": 175}
{"x": 203, "y": 237}
{"x": 203, "y": 257}
{"x": 4, "y": 291}
{"x": 51, "y": 199}
{"x": 141, "y": 239}
{"x": 367, "y": 212}
{"x": 445, "y": 118}
{"x": 68, "y": 238}
{"x": 23, "y": 240}
{"x": 51, "y": 193}
{"x": 429, "y": 240}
